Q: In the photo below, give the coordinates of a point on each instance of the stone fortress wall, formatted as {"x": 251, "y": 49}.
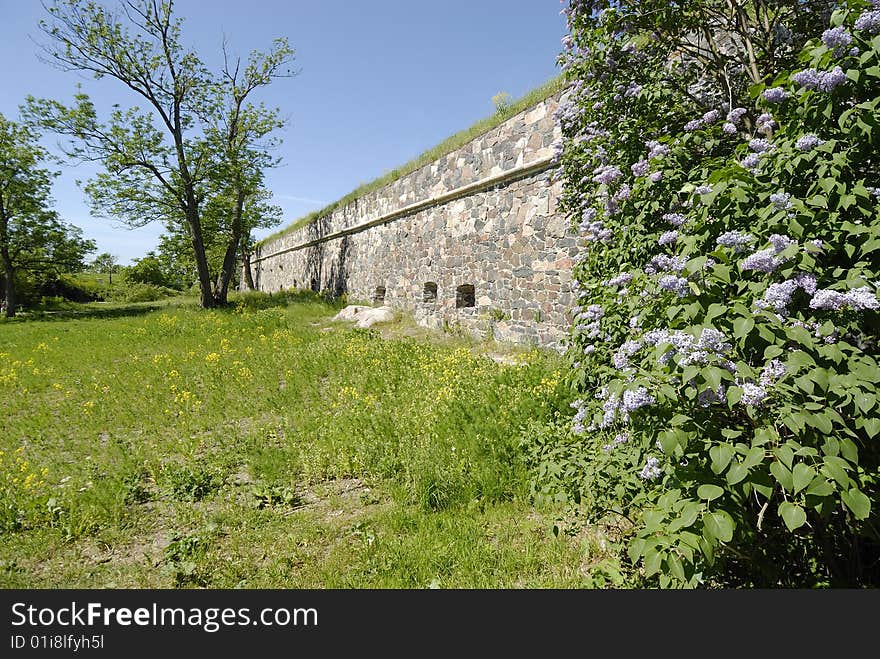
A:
{"x": 472, "y": 240}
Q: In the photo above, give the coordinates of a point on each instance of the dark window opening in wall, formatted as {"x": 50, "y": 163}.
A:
{"x": 430, "y": 292}
{"x": 465, "y": 296}
{"x": 379, "y": 294}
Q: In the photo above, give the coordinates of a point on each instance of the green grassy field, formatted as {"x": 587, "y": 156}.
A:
{"x": 265, "y": 446}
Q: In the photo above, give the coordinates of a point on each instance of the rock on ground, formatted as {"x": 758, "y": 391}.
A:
{"x": 365, "y": 316}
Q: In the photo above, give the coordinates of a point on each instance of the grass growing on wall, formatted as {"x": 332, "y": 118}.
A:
{"x": 446, "y": 147}
{"x": 266, "y": 446}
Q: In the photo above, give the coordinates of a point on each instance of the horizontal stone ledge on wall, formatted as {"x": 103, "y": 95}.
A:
{"x": 466, "y": 190}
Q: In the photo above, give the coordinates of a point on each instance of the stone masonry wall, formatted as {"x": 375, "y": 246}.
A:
{"x": 502, "y": 235}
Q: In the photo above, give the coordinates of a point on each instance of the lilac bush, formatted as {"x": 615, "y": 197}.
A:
{"x": 742, "y": 342}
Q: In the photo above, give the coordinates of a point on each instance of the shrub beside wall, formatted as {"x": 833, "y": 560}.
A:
{"x": 725, "y": 352}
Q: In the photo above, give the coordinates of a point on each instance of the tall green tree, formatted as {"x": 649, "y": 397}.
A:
{"x": 200, "y": 137}
{"x": 242, "y": 138}
{"x": 151, "y": 269}
{"x": 33, "y": 239}
{"x": 106, "y": 263}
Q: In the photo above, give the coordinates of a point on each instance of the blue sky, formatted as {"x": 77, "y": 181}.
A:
{"x": 378, "y": 82}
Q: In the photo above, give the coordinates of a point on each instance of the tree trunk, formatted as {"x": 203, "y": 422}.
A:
{"x": 198, "y": 244}
{"x": 222, "y": 290}
{"x": 6, "y": 263}
{"x": 8, "y": 289}
{"x": 248, "y": 274}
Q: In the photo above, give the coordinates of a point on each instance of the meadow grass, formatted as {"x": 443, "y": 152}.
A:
{"x": 265, "y": 446}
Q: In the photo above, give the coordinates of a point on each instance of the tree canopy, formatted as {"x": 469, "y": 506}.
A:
{"x": 33, "y": 238}
{"x": 194, "y": 158}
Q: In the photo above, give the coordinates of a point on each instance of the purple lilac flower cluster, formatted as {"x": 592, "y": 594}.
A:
{"x": 591, "y": 329}
{"x": 751, "y": 161}
{"x": 808, "y": 142}
{"x": 778, "y": 295}
{"x": 620, "y": 280}
{"x": 707, "y": 119}
{"x": 823, "y": 81}
{"x": 859, "y": 299}
{"x": 780, "y": 242}
{"x": 667, "y": 238}
{"x": 675, "y": 219}
{"x": 590, "y": 133}
{"x": 569, "y": 113}
{"x": 711, "y": 117}
{"x": 735, "y": 239}
{"x": 760, "y": 145}
{"x": 621, "y": 356}
{"x": 763, "y": 261}
{"x": 593, "y": 313}
{"x": 606, "y": 174}
{"x": 596, "y": 231}
{"x": 837, "y": 38}
{"x": 651, "y": 470}
{"x": 766, "y": 260}
{"x": 640, "y": 168}
{"x": 690, "y": 349}
{"x": 772, "y": 372}
{"x": 674, "y": 284}
{"x": 632, "y": 400}
{"x": 609, "y": 407}
{"x": 868, "y": 22}
{"x": 656, "y": 149}
{"x": 577, "y": 424}
{"x": 592, "y": 228}
{"x": 632, "y": 90}
{"x": 775, "y": 95}
{"x": 663, "y": 263}
{"x": 781, "y": 200}
{"x": 736, "y": 115}
{"x": 766, "y": 124}
{"x": 753, "y": 395}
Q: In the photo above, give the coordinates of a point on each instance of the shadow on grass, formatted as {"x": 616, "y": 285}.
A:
{"x": 255, "y": 300}
{"x": 95, "y": 310}
{"x": 251, "y": 300}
